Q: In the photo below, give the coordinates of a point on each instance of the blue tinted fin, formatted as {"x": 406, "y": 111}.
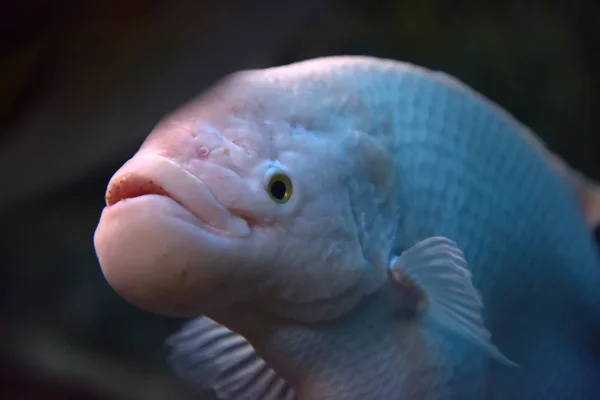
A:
{"x": 209, "y": 356}
{"x": 438, "y": 267}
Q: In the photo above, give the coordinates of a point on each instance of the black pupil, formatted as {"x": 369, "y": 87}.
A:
{"x": 278, "y": 190}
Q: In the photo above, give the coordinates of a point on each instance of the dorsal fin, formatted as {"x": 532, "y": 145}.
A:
{"x": 588, "y": 193}
{"x": 591, "y": 204}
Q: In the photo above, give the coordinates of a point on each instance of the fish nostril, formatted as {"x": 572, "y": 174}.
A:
{"x": 203, "y": 151}
{"x": 131, "y": 186}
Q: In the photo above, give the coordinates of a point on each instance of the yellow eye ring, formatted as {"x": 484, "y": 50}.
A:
{"x": 280, "y": 188}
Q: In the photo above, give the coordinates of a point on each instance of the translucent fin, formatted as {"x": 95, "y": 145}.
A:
{"x": 209, "y": 356}
{"x": 438, "y": 267}
{"x": 589, "y": 197}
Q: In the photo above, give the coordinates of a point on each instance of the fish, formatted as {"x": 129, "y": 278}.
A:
{"x": 291, "y": 213}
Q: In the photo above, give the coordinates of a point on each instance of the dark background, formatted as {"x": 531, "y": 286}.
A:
{"x": 82, "y": 84}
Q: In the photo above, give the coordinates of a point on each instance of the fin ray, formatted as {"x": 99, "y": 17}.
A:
{"x": 439, "y": 268}
{"x": 207, "y": 355}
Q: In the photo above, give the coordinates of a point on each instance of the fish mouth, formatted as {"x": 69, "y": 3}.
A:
{"x": 153, "y": 175}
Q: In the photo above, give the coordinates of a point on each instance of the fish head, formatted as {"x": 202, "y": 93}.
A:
{"x": 248, "y": 194}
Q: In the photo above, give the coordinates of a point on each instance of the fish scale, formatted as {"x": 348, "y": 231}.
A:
{"x": 473, "y": 179}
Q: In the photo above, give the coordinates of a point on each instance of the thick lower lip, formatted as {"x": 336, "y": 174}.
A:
{"x": 145, "y": 175}
{"x": 126, "y": 204}
{"x": 135, "y": 199}
{"x": 158, "y": 256}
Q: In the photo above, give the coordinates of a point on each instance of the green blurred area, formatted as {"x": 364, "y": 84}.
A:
{"x": 537, "y": 59}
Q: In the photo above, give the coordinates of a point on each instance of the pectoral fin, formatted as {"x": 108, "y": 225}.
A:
{"x": 209, "y": 356}
{"x": 438, "y": 267}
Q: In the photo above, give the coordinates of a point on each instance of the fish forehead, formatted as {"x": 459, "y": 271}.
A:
{"x": 315, "y": 97}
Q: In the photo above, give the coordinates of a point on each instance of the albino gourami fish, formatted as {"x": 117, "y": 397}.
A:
{"x": 358, "y": 228}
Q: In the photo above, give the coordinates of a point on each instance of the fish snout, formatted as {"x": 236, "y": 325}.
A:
{"x": 163, "y": 240}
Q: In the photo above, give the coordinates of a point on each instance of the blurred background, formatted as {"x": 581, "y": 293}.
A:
{"x": 83, "y": 83}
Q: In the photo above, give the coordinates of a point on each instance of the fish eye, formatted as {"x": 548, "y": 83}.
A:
{"x": 280, "y": 188}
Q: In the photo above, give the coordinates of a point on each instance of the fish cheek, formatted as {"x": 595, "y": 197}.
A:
{"x": 372, "y": 201}
{"x": 309, "y": 261}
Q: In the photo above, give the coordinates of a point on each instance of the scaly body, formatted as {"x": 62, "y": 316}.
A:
{"x": 466, "y": 172}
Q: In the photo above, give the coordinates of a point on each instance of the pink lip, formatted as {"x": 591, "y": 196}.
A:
{"x": 155, "y": 175}
{"x": 132, "y": 186}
